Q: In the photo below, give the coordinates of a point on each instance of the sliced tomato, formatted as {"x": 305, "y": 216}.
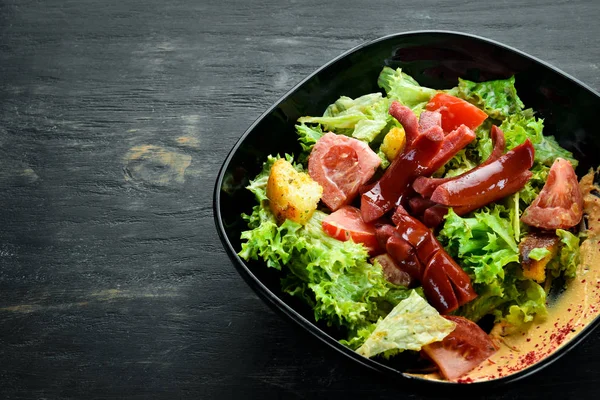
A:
{"x": 559, "y": 205}
{"x": 462, "y": 350}
{"x": 456, "y": 112}
{"x": 347, "y": 223}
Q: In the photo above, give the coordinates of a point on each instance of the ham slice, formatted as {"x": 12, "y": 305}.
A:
{"x": 462, "y": 350}
{"x": 407, "y": 118}
{"x": 429, "y": 120}
{"x": 341, "y": 165}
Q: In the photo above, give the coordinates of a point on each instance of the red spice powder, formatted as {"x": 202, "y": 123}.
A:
{"x": 555, "y": 340}
{"x": 529, "y": 358}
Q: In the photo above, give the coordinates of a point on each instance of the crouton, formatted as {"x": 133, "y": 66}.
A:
{"x": 536, "y": 269}
{"x": 292, "y": 195}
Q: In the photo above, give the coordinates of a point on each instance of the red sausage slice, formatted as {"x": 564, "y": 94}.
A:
{"x": 388, "y": 191}
{"x": 488, "y": 183}
{"x": 393, "y": 272}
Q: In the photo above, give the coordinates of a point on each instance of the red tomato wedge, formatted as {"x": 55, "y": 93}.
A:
{"x": 560, "y": 202}
{"x": 456, "y": 112}
{"x": 462, "y": 350}
{"x": 347, "y": 223}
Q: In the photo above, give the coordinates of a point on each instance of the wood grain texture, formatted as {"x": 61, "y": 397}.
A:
{"x": 115, "y": 117}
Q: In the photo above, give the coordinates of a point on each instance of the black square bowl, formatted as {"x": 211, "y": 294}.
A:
{"x": 435, "y": 59}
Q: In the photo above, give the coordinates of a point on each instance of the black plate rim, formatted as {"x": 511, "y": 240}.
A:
{"x": 278, "y": 305}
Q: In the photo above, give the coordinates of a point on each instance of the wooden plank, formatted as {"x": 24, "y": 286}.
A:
{"x": 114, "y": 119}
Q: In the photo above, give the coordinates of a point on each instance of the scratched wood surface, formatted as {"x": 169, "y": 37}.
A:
{"x": 114, "y": 119}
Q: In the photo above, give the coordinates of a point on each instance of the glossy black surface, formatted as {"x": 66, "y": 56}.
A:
{"x": 434, "y": 59}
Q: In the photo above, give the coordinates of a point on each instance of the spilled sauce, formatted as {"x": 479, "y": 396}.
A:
{"x": 568, "y": 314}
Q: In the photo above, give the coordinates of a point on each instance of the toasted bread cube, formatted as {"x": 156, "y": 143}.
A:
{"x": 393, "y": 142}
{"x": 292, "y": 195}
{"x": 536, "y": 269}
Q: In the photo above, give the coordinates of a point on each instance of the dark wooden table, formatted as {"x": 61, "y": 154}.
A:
{"x": 115, "y": 117}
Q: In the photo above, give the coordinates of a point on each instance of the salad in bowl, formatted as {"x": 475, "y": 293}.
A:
{"x": 434, "y": 224}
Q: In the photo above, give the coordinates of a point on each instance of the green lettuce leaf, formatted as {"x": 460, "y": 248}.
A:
{"x": 363, "y": 118}
{"x": 308, "y": 136}
{"x": 569, "y": 252}
{"x": 459, "y": 164}
{"x": 412, "y": 324}
{"x": 514, "y": 210}
{"x": 524, "y": 125}
{"x": 484, "y": 243}
{"x": 368, "y": 129}
{"x": 483, "y": 144}
{"x": 521, "y": 126}
{"x": 359, "y": 336}
{"x": 346, "y": 105}
{"x": 513, "y": 300}
{"x": 549, "y": 150}
{"x": 534, "y": 185}
{"x": 567, "y": 259}
{"x": 528, "y": 301}
{"x": 403, "y": 88}
{"x": 498, "y": 98}
{"x": 539, "y": 253}
{"x": 384, "y": 160}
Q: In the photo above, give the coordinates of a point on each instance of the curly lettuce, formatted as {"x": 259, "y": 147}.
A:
{"x": 567, "y": 259}
{"x": 521, "y": 126}
{"x": 549, "y": 150}
{"x": 308, "y": 137}
{"x": 403, "y": 88}
{"x": 484, "y": 243}
{"x": 497, "y": 98}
